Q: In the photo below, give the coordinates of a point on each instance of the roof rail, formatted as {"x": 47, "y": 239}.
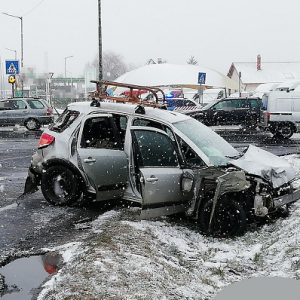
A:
{"x": 133, "y": 97}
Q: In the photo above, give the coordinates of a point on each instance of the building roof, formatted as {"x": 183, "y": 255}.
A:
{"x": 176, "y": 75}
{"x": 270, "y": 71}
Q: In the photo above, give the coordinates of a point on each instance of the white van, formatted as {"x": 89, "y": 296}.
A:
{"x": 281, "y": 112}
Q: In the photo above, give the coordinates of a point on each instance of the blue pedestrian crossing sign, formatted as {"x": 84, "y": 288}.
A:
{"x": 201, "y": 78}
{"x": 12, "y": 67}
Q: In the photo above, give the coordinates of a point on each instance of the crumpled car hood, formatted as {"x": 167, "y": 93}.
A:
{"x": 266, "y": 165}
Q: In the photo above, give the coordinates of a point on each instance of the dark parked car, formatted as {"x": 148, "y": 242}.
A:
{"x": 230, "y": 111}
{"x": 30, "y": 112}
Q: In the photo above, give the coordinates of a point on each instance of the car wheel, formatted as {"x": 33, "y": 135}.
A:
{"x": 32, "y": 124}
{"x": 229, "y": 219}
{"x": 285, "y": 131}
{"x": 60, "y": 186}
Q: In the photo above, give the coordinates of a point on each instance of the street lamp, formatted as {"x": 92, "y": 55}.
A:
{"x": 12, "y": 50}
{"x": 22, "y": 40}
{"x": 22, "y": 37}
{"x": 66, "y": 64}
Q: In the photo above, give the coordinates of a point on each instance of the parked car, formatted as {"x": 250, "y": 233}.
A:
{"x": 230, "y": 111}
{"x": 165, "y": 161}
{"x": 30, "y": 112}
{"x": 281, "y": 113}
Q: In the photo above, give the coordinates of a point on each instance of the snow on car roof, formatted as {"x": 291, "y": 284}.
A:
{"x": 157, "y": 113}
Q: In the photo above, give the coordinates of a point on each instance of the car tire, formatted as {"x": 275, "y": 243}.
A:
{"x": 60, "y": 186}
{"x": 229, "y": 219}
{"x": 284, "y": 131}
{"x": 32, "y": 124}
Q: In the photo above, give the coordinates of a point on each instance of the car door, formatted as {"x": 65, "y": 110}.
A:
{"x": 240, "y": 111}
{"x": 255, "y": 107}
{"x": 221, "y": 113}
{"x": 18, "y": 111}
{"x": 159, "y": 175}
{"x": 101, "y": 156}
{"x": 3, "y": 112}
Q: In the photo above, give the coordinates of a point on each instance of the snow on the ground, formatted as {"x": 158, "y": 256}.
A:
{"x": 122, "y": 257}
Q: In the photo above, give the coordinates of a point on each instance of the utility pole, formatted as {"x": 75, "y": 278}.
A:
{"x": 100, "y": 40}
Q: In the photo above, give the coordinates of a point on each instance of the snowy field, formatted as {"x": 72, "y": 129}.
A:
{"x": 121, "y": 257}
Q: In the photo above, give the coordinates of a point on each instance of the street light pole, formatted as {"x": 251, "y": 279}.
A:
{"x": 66, "y": 64}
{"x": 100, "y": 40}
{"x": 22, "y": 35}
{"x": 22, "y": 42}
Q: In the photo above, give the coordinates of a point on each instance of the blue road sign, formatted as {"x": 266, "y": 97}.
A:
{"x": 201, "y": 78}
{"x": 12, "y": 67}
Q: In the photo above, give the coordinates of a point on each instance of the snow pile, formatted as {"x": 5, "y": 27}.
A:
{"x": 163, "y": 260}
{"x": 122, "y": 257}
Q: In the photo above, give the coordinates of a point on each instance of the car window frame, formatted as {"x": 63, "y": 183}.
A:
{"x": 30, "y": 101}
{"x": 64, "y": 125}
{"x": 136, "y": 149}
{"x": 119, "y": 146}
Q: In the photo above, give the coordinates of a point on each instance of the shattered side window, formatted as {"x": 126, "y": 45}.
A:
{"x": 101, "y": 133}
{"x": 64, "y": 120}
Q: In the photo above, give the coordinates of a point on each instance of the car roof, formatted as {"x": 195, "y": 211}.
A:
{"x": 156, "y": 113}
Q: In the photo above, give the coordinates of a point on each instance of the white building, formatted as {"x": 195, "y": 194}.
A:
{"x": 256, "y": 73}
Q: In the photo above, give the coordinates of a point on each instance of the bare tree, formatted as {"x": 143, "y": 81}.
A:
{"x": 192, "y": 61}
{"x": 113, "y": 65}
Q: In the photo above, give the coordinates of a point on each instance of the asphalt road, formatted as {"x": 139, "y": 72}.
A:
{"x": 30, "y": 224}
{"x": 33, "y": 224}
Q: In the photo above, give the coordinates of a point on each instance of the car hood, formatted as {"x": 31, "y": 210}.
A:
{"x": 266, "y": 165}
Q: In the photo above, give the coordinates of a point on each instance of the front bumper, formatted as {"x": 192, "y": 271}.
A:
{"x": 32, "y": 182}
{"x": 286, "y": 199}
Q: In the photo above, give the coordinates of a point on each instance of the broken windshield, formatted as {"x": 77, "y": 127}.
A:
{"x": 211, "y": 144}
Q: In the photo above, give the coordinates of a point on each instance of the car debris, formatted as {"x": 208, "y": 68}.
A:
{"x": 166, "y": 161}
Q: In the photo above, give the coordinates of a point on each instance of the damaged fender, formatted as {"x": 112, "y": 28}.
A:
{"x": 31, "y": 184}
{"x": 230, "y": 182}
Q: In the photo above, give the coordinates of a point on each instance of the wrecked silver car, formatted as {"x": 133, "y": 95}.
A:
{"x": 166, "y": 161}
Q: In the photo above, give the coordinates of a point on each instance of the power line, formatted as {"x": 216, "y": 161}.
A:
{"x": 32, "y": 9}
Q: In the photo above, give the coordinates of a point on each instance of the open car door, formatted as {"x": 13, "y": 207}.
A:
{"x": 102, "y": 157}
{"x": 159, "y": 176}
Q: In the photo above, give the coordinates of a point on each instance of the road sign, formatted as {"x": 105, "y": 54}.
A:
{"x": 11, "y": 79}
{"x": 201, "y": 78}
{"x": 12, "y": 67}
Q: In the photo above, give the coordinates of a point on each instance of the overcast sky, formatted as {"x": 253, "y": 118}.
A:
{"x": 216, "y": 32}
